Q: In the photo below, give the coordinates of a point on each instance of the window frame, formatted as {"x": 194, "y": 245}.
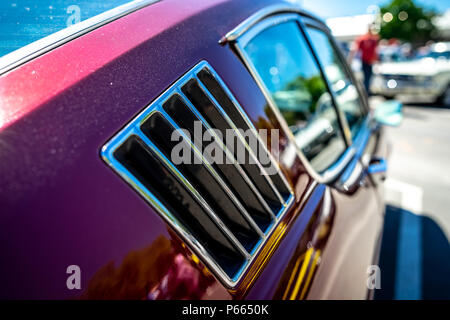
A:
{"x": 312, "y": 24}
{"x": 274, "y": 15}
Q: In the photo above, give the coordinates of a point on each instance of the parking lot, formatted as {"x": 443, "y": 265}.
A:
{"x": 415, "y": 254}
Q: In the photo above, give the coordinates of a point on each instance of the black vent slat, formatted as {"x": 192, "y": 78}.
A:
{"x": 159, "y": 131}
{"x": 206, "y": 107}
{"x": 224, "y": 211}
{"x": 181, "y": 114}
{"x": 140, "y": 161}
{"x": 281, "y": 186}
{"x": 220, "y": 95}
{"x": 218, "y": 92}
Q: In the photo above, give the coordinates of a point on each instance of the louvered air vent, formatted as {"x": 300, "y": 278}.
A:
{"x": 224, "y": 212}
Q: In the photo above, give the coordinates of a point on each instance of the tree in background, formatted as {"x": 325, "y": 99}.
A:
{"x": 406, "y": 21}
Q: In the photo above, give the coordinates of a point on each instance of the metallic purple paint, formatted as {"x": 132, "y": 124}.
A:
{"x": 61, "y": 205}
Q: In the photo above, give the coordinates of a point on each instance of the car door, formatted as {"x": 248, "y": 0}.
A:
{"x": 319, "y": 106}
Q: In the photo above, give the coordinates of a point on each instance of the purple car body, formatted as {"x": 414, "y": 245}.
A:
{"x": 61, "y": 205}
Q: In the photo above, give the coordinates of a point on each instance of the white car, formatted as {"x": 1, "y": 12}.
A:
{"x": 427, "y": 77}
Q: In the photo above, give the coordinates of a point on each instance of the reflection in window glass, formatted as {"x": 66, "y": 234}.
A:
{"x": 347, "y": 97}
{"x": 283, "y": 61}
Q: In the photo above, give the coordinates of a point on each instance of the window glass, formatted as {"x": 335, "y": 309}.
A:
{"x": 347, "y": 98}
{"x": 25, "y": 21}
{"x": 284, "y": 62}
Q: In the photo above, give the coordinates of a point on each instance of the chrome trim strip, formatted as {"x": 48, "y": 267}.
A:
{"x": 343, "y": 123}
{"x": 253, "y": 128}
{"x": 41, "y": 46}
{"x": 229, "y": 156}
{"x": 262, "y": 14}
{"x": 133, "y": 128}
{"x": 310, "y": 23}
{"x": 361, "y": 139}
{"x": 185, "y": 182}
{"x": 241, "y": 36}
{"x": 245, "y": 38}
{"x": 309, "y": 191}
{"x": 332, "y": 172}
{"x": 215, "y": 175}
{"x": 250, "y": 151}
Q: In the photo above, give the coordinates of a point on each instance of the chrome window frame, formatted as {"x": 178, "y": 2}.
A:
{"x": 312, "y": 24}
{"x": 274, "y": 15}
{"x": 54, "y": 40}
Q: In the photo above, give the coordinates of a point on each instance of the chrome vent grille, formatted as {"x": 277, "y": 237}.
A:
{"x": 224, "y": 212}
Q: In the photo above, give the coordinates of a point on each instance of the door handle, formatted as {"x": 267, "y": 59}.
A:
{"x": 377, "y": 165}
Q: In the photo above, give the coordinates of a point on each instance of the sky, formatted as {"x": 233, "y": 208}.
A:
{"x": 338, "y": 8}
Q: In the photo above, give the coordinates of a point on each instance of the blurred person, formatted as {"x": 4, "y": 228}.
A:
{"x": 367, "y": 46}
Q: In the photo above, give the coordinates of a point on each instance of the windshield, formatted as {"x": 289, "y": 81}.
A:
{"x": 25, "y": 21}
{"x": 438, "y": 55}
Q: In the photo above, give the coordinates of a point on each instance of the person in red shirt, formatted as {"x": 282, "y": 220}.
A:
{"x": 367, "y": 45}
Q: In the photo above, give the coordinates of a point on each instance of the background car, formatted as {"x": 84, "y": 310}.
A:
{"x": 425, "y": 77}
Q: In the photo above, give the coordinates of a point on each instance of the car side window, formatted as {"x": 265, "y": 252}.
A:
{"x": 286, "y": 66}
{"x": 346, "y": 94}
